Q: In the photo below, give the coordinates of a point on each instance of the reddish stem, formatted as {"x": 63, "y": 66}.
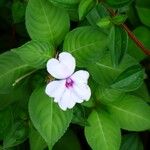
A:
{"x": 131, "y": 35}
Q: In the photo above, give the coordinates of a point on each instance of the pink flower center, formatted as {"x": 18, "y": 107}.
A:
{"x": 69, "y": 83}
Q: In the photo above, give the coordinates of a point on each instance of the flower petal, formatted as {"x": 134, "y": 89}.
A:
{"x": 63, "y": 67}
{"x": 56, "y": 89}
{"x": 66, "y": 100}
{"x": 80, "y": 76}
{"x": 83, "y": 91}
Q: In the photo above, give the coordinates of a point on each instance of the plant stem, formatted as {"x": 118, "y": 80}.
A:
{"x": 131, "y": 35}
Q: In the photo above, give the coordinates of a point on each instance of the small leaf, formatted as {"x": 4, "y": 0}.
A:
{"x": 102, "y": 133}
{"x": 131, "y": 112}
{"x": 130, "y": 79}
{"x": 104, "y": 22}
{"x": 85, "y": 7}
{"x": 86, "y": 44}
{"x": 118, "y": 43}
{"x": 50, "y": 121}
{"x": 131, "y": 142}
{"x": 35, "y": 53}
{"x": 119, "y": 19}
{"x": 45, "y": 22}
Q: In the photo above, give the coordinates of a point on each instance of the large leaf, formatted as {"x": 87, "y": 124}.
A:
{"x": 131, "y": 112}
{"x": 12, "y": 69}
{"x": 46, "y": 22}
{"x": 50, "y": 121}
{"x": 87, "y": 44}
{"x": 131, "y": 142}
{"x": 130, "y": 79}
{"x": 103, "y": 71}
{"x": 35, "y": 53}
{"x": 102, "y": 133}
{"x": 118, "y": 43}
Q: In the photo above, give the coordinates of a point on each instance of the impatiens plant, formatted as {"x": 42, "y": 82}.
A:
{"x": 74, "y": 74}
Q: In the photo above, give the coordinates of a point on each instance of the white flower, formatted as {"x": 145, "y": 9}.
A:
{"x": 71, "y": 88}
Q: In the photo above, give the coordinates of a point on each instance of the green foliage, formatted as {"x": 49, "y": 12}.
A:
{"x": 130, "y": 79}
{"x": 50, "y": 121}
{"x": 86, "y": 44}
{"x": 143, "y": 34}
{"x": 39, "y": 14}
{"x": 102, "y": 133}
{"x": 35, "y": 53}
{"x": 118, "y": 43}
{"x": 132, "y": 142}
{"x": 109, "y": 39}
{"x": 131, "y": 112}
{"x": 105, "y": 73}
{"x": 85, "y": 7}
{"x": 12, "y": 68}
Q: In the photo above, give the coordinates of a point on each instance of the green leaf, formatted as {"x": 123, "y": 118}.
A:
{"x": 108, "y": 95}
{"x": 63, "y": 143}
{"x": 86, "y": 44}
{"x": 104, "y": 73}
{"x": 17, "y": 134}
{"x": 130, "y": 79}
{"x": 96, "y": 14}
{"x": 142, "y": 92}
{"x": 118, "y": 43}
{"x": 65, "y": 3}
{"x": 131, "y": 112}
{"x": 19, "y": 93}
{"x": 80, "y": 116}
{"x": 35, "y": 53}
{"x": 36, "y": 141}
{"x": 143, "y": 34}
{"x": 70, "y": 6}
{"x": 104, "y": 22}
{"x": 85, "y": 7}
{"x": 18, "y": 11}
{"x": 102, "y": 133}
{"x": 12, "y": 69}
{"x": 6, "y": 120}
{"x": 50, "y": 121}
{"x": 131, "y": 142}
{"x": 119, "y": 19}
{"x": 143, "y": 13}
{"x": 46, "y": 22}
{"x": 118, "y": 3}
